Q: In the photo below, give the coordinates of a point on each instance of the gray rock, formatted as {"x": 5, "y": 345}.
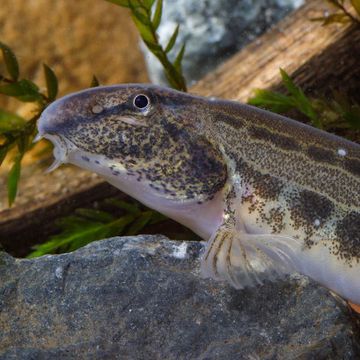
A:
{"x": 213, "y": 30}
{"x": 142, "y": 298}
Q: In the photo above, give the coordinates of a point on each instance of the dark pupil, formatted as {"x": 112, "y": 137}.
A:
{"x": 141, "y": 101}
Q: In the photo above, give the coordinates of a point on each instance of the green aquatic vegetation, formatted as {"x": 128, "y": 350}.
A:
{"x": 342, "y": 15}
{"x": 17, "y": 133}
{"x": 87, "y": 225}
{"x": 146, "y": 15}
{"x": 338, "y": 113}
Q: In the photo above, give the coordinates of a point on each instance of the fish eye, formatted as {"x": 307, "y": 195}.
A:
{"x": 141, "y": 101}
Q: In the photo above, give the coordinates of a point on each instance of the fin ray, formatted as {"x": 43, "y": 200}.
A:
{"x": 246, "y": 260}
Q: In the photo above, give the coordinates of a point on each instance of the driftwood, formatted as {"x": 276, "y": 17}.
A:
{"x": 319, "y": 58}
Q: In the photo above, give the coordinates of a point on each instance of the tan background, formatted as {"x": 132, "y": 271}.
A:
{"x": 76, "y": 38}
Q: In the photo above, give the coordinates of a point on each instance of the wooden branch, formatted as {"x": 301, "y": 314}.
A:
{"x": 318, "y": 57}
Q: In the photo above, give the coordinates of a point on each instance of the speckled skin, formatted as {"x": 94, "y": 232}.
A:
{"x": 165, "y": 147}
{"x": 262, "y": 174}
{"x": 281, "y": 158}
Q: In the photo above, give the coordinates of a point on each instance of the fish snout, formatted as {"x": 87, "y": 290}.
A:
{"x": 53, "y": 125}
{"x": 52, "y": 119}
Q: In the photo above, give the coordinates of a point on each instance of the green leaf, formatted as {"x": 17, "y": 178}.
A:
{"x": 302, "y": 103}
{"x": 13, "y": 179}
{"x": 148, "y": 3}
{"x": 356, "y": 5}
{"x": 70, "y": 240}
{"x": 178, "y": 59}
{"x": 96, "y": 215}
{"x": 51, "y": 82}
{"x": 11, "y": 62}
{"x": 145, "y": 31}
{"x": 73, "y": 223}
{"x": 24, "y": 90}
{"x": 172, "y": 40}
{"x": 131, "y": 208}
{"x": 23, "y": 143}
{"x": 78, "y": 232}
{"x": 353, "y": 117}
{"x": 123, "y": 3}
{"x": 139, "y": 14}
{"x": 157, "y": 217}
{"x": 344, "y": 108}
{"x": 157, "y": 14}
{"x": 10, "y": 121}
{"x": 140, "y": 223}
{"x": 289, "y": 84}
{"x": 273, "y": 101}
{"x": 94, "y": 82}
{"x": 3, "y": 153}
{"x": 117, "y": 227}
{"x": 156, "y": 49}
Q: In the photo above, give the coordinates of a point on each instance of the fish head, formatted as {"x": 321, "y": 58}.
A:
{"x": 140, "y": 138}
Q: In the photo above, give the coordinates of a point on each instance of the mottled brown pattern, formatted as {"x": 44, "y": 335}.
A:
{"x": 348, "y": 230}
{"x": 233, "y": 121}
{"x": 310, "y": 212}
{"x": 184, "y": 145}
{"x": 309, "y": 206}
{"x": 320, "y": 184}
{"x": 353, "y": 166}
{"x": 265, "y": 186}
{"x": 322, "y": 155}
{"x": 160, "y": 148}
{"x": 274, "y": 218}
{"x": 281, "y": 141}
{"x": 298, "y": 167}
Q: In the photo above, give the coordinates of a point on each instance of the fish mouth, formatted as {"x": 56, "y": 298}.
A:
{"x": 62, "y": 149}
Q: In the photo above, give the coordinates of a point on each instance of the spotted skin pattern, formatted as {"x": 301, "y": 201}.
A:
{"x": 290, "y": 178}
{"x": 164, "y": 149}
{"x": 284, "y": 159}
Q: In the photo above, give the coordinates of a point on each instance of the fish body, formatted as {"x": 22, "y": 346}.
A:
{"x": 270, "y": 195}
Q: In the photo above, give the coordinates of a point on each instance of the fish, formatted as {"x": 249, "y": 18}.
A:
{"x": 270, "y": 196}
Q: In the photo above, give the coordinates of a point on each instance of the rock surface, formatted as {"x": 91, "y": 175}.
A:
{"x": 142, "y": 298}
{"x": 214, "y": 30}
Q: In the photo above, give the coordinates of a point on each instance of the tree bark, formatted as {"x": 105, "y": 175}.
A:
{"x": 318, "y": 58}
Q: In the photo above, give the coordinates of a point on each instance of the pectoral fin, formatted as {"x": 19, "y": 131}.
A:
{"x": 245, "y": 260}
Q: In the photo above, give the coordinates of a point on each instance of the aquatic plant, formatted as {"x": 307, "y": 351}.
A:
{"x": 338, "y": 113}
{"x": 17, "y": 133}
{"x": 87, "y": 225}
{"x": 342, "y": 15}
{"x": 147, "y": 18}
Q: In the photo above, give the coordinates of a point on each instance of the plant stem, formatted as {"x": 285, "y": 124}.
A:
{"x": 173, "y": 75}
{"x": 348, "y": 13}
